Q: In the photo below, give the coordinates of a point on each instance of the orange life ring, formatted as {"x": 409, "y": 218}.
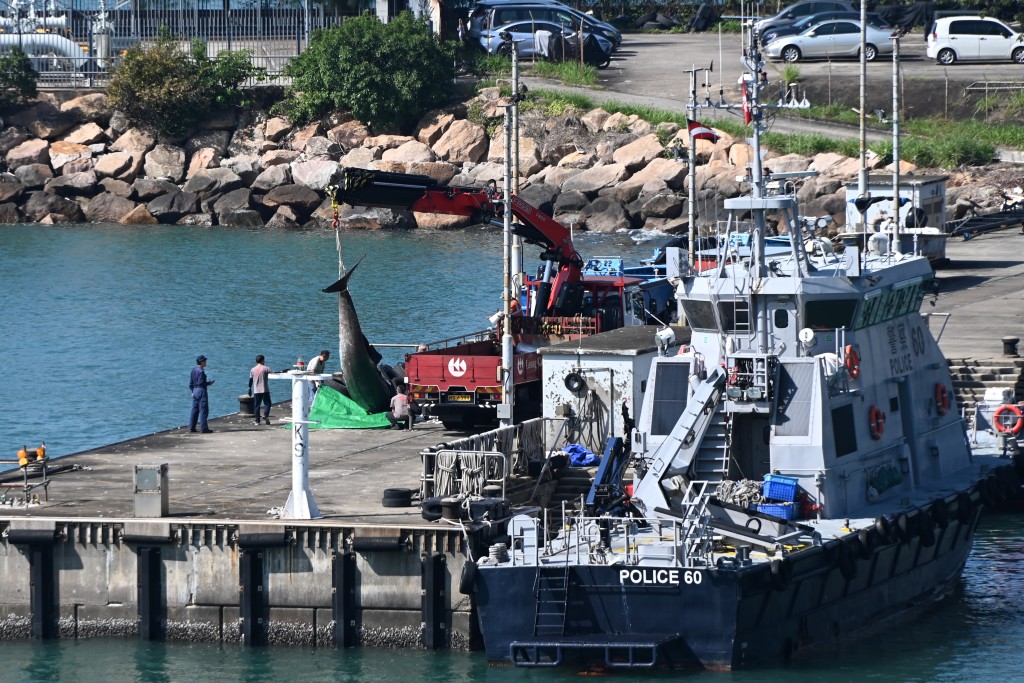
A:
{"x": 876, "y": 422}
{"x": 852, "y": 361}
{"x": 941, "y": 399}
{"x": 1005, "y": 427}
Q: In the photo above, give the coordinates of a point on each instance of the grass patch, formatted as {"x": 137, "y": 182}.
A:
{"x": 570, "y": 73}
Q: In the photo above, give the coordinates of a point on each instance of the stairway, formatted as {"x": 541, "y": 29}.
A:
{"x": 552, "y": 595}
{"x": 712, "y": 460}
{"x": 971, "y": 377}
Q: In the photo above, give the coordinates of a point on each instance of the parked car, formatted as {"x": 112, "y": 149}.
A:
{"x": 840, "y": 38}
{"x": 798, "y": 11}
{"x": 487, "y": 13}
{"x": 801, "y": 25}
{"x": 525, "y": 35}
{"x": 954, "y": 39}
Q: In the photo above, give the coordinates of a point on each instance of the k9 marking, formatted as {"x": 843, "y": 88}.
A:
{"x": 660, "y": 577}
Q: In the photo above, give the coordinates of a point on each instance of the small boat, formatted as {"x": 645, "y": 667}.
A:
{"x": 798, "y": 475}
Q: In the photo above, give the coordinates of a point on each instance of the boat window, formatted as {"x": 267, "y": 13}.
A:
{"x": 881, "y": 312}
{"x": 829, "y": 314}
{"x": 843, "y": 430}
{"x": 699, "y": 315}
{"x": 868, "y": 308}
{"x": 781, "y": 318}
{"x": 734, "y": 315}
{"x": 670, "y": 388}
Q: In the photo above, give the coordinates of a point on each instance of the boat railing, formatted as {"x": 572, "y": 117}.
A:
{"x": 928, "y": 322}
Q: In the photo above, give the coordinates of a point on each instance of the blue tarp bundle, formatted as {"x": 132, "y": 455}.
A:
{"x": 580, "y": 456}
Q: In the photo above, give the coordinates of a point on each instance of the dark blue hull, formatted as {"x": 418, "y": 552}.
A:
{"x": 730, "y": 619}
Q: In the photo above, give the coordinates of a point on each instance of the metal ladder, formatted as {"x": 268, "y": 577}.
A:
{"x": 712, "y": 461}
{"x": 552, "y": 594}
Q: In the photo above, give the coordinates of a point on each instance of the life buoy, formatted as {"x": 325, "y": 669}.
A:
{"x": 876, "y": 423}
{"x": 1003, "y": 425}
{"x": 941, "y": 399}
{"x": 852, "y": 361}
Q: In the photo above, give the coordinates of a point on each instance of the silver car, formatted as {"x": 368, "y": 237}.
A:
{"x": 839, "y": 38}
{"x": 523, "y": 34}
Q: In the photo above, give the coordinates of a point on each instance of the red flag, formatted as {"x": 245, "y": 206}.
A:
{"x": 698, "y": 131}
{"x": 746, "y": 103}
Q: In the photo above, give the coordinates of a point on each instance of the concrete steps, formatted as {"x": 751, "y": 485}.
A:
{"x": 972, "y": 376}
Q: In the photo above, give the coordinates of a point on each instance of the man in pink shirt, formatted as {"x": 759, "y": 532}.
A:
{"x": 398, "y": 416}
{"x": 259, "y": 390}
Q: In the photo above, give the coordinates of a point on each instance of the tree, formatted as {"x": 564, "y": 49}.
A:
{"x": 386, "y": 75}
{"x": 17, "y": 78}
{"x": 169, "y": 90}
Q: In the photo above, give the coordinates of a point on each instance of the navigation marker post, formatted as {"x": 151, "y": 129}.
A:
{"x": 301, "y": 504}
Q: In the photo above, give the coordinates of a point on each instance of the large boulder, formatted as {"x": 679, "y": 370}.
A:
{"x": 140, "y": 215}
{"x": 240, "y": 218}
{"x": 361, "y": 157}
{"x": 638, "y": 153}
{"x": 441, "y": 171}
{"x": 273, "y": 177}
{"x": 166, "y": 161}
{"x": 118, "y": 187}
{"x": 368, "y": 218}
{"x": 135, "y": 143}
{"x": 62, "y": 152}
{"x": 463, "y": 141}
{"x": 114, "y": 165}
{"x": 594, "y": 120}
{"x": 319, "y": 147}
{"x": 301, "y": 199}
{"x": 44, "y": 121}
{"x": 31, "y": 151}
{"x": 529, "y": 156}
{"x": 432, "y": 126}
{"x": 168, "y": 208}
{"x": 203, "y": 158}
{"x": 108, "y": 207}
{"x": 409, "y": 152}
{"x": 11, "y": 137}
{"x": 246, "y": 167}
{"x": 541, "y": 196}
{"x": 91, "y": 107}
{"x": 236, "y": 200}
{"x": 73, "y": 185}
{"x": 665, "y": 205}
{"x": 349, "y": 134}
{"x": 276, "y": 128}
{"x": 299, "y": 137}
{"x": 42, "y": 204}
{"x": 284, "y": 218}
{"x": 213, "y": 139}
{"x": 86, "y": 134}
{"x": 316, "y": 174}
{"x": 606, "y": 214}
{"x": 440, "y": 221}
{"x": 671, "y": 172}
{"x": 276, "y": 157}
{"x": 213, "y": 181}
{"x": 147, "y": 189}
{"x": 10, "y": 190}
{"x": 33, "y": 176}
{"x": 570, "y": 202}
{"x": 594, "y": 179}
{"x": 246, "y": 142}
{"x": 9, "y": 213}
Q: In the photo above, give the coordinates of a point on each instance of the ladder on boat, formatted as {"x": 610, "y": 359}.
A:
{"x": 552, "y": 595}
{"x": 711, "y": 463}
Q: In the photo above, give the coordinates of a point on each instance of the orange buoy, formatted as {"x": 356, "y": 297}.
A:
{"x": 876, "y": 422}
{"x": 1008, "y": 419}
{"x": 852, "y": 361}
{"x": 941, "y": 399}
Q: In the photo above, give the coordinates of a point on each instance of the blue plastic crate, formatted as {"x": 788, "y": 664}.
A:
{"x": 783, "y": 510}
{"x": 778, "y": 487}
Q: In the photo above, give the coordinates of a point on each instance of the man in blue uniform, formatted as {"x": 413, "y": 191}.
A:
{"x": 197, "y": 384}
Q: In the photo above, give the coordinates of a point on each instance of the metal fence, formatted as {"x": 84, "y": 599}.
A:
{"x": 76, "y": 43}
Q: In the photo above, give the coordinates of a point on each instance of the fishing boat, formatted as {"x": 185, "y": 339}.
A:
{"x": 798, "y": 475}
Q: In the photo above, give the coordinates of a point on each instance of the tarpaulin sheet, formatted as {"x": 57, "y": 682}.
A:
{"x": 919, "y": 14}
{"x": 332, "y": 410}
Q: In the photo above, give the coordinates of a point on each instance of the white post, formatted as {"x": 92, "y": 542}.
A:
{"x": 301, "y": 504}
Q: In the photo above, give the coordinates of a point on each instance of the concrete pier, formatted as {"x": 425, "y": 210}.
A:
{"x": 222, "y": 566}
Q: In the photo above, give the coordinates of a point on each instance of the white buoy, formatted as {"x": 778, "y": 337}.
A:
{"x": 301, "y": 504}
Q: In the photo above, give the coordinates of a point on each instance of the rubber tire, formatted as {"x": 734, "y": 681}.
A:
{"x": 940, "y": 514}
{"x": 431, "y": 508}
{"x": 398, "y": 493}
{"x": 946, "y": 57}
{"x": 870, "y": 53}
{"x": 926, "y": 531}
{"x": 845, "y": 562}
{"x": 866, "y": 543}
{"x": 467, "y": 579}
{"x": 396, "y": 502}
{"x": 790, "y": 54}
{"x": 884, "y": 529}
{"x": 904, "y": 527}
{"x": 964, "y": 508}
{"x": 782, "y": 574}
{"x": 1018, "y": 55}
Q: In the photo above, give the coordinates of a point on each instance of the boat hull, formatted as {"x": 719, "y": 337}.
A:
{"x": 619, "y": 616}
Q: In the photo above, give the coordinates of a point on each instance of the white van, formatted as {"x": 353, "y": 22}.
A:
{"x": 974, "y": 38}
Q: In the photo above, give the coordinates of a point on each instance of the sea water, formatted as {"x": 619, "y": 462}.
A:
{"x": 100, "y": 326}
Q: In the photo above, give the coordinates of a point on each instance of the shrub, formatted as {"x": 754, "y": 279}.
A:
{"x": 17, "y": 78}
{"x": 167, "y": 90}
{"x": 386, "y": 75}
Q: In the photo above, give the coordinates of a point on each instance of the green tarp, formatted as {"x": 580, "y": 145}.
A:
{"x": 332, "y": 410}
